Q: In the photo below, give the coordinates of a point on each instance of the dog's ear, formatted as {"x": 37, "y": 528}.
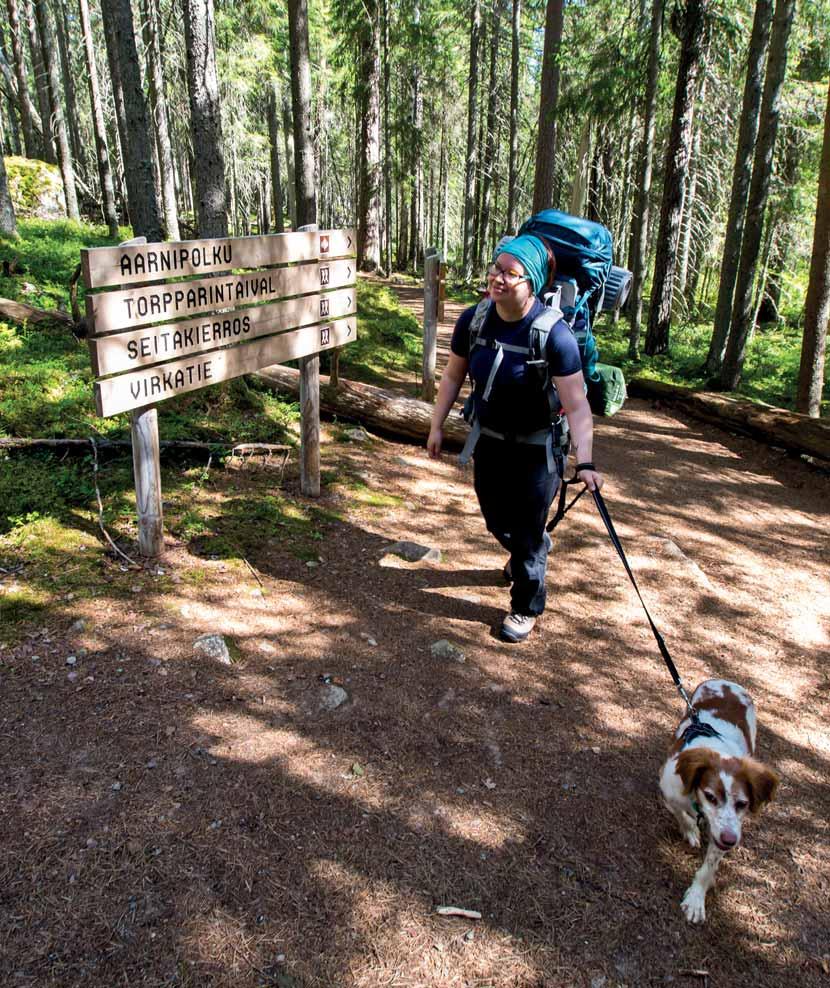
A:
{"x": 761, "y": 782}
{"x": 692, "y": 763}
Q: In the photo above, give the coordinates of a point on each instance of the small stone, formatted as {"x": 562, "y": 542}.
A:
{"x": 412, "y": 552}
{"x": 332, "y": 697}
{"x": 78, "y": 626}
{"x": 152, "y": 763}
{"x": 312, "y": 564}
{"x": 368, "y": 638}
{"x": 116, "y": 787}
{"x": 489, "y": 784}
{"x": 71, "y": 660}
{"x": 216, "y": 825}
{"x": 91, "y": 842}
{"x": 444, "y": 649}
{"x": 72, "y": 676}
{"x": 213, "y": 647}
{"x": 358, "y": 435}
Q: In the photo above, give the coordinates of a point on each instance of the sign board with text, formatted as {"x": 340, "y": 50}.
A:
{"x": 200, "y": 312}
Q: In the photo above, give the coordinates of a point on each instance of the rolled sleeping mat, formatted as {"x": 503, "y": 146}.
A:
{"x": 617, "y": 288}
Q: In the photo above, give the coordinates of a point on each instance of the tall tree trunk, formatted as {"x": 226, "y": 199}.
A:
{"x": 158, "y": 106}
{"x": 742, "y": 306}
{"x": 387, "y": 145}
{"x": 136, "y": 141}
{"x": 690, "y": 199}
{"x": 98, "y": 126}
{"x": 515, "y": 69}
{"x": 305, "y": 192}
{"x": 8, "y": 224}
{"x": 13, "y": 142}
{"x": 41, "y": 84}
{"x": 579, "y": 185}
{"x": 368, "y": 242}
{"x": 548, "y": 106}
{"x": 205, "y": 118}
{"x": 677, "y": 163}
{"x": 290, "y": 166}
{"x": 67, "y": 76}
{"x": 817, "y": 304}
{"x": 274, "y": 139}
{"x": 741, "y": 175}
{"x": 490, "y": 145}
{"x": 468, "y": 232}
{"x": 31, "y": 139}
{"x": 50, "y": 63}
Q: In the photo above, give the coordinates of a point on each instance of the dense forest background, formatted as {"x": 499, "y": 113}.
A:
{"x": 696, "y": 131}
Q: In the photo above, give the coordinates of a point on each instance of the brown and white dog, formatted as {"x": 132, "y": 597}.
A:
{"x": 716, "y": 779}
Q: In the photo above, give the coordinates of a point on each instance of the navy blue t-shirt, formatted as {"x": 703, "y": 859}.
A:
{"x": 517, "y": 400}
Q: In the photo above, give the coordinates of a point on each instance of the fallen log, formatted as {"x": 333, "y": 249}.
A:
{"x": 776, "y": 426}
{"x": 385, "y": 411}
{"x": 20, "y": 312}
{"x": 233, "y": 449}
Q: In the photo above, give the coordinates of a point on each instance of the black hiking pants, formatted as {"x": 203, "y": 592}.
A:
{"x": 515, "y": 491}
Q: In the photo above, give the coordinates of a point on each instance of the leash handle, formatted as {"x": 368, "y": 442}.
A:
{"x": 615, "y": 541}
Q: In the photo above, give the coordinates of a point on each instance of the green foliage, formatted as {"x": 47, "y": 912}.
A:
{"x": 45, "y": 488}
{"x": 389, "y": 337}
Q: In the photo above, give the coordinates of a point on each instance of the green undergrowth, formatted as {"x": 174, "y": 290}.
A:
{"x": 770, "y": 372}
{"x": 389, "y": 338}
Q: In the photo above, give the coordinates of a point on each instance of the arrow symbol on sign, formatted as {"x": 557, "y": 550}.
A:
{"x": 348, "y": 241}
{"x": 348, "y": 271}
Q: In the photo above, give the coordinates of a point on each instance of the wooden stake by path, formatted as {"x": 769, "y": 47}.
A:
{"x": 310, "y": 416}
{"x": 432, "y": 263}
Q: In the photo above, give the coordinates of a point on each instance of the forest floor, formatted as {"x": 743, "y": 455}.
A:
{"x": 294, "y": 816}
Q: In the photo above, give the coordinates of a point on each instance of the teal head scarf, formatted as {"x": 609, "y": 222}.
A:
{"x": 531, "y": 252}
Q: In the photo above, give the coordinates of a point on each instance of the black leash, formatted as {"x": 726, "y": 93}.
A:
{"x": 612, "y": 534}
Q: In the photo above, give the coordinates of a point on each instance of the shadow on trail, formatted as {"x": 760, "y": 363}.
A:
{"x": 214, "y": 817}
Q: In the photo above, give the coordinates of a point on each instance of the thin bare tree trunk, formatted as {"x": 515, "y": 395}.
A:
{"x": 98, "y": 126}
{"x": 28, "y": 113}
{"x": 41, "y": 84}
{"x": 490, "y": 152}
{"x": 741, "y": 175}
{"x": 134, "y": 129}
{"x": 205, "y": 118}
{"x": 72, "y": 117}
{"x": 677, "y": 163}
{"x": 274, "y": 139}
{"x": 58, "y": 122}
{"x": 515, "y": 69}
{"x": 158, "y": 106}
{"x": 742, "y": 306}
{"x": 468, "y": 232}
{"x": 305, "y": 191}
{"x": 290, "y": 169}
{"x": 817, "y": 305}
{"x": 548, "y": 106}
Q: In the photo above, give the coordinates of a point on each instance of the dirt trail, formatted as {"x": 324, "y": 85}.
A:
{"x": 174, "y": 821}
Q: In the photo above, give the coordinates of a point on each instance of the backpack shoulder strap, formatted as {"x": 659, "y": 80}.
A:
{"x": 540, "y": 330}
{"x": 479, "y": 316}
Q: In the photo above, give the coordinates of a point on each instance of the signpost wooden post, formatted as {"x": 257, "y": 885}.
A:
{"x": 168, "y": 318}
{"x": 432, "y": 262}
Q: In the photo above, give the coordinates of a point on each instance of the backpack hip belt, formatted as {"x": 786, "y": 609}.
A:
{"x": 554, "y": 439}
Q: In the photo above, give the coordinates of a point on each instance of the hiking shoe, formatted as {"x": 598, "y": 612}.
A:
{"x": 516, "y": 627}
{"x": 507, "y": 572}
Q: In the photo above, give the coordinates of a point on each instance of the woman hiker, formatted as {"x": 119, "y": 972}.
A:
{"x": 517, "y": 462}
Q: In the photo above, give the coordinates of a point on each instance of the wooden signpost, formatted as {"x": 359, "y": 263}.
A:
{"x": 168, "y": 318}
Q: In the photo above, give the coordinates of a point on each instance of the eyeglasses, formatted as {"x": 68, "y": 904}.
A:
{"x": 510, "y": 277}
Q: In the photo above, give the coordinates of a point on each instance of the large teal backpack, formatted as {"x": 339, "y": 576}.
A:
{"x": 587, "y": 283}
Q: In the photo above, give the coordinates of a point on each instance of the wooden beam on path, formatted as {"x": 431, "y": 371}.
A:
{"x": 775, "y": 426}
{"x": 20, "y": 312}
{"x": 385, "y": 411}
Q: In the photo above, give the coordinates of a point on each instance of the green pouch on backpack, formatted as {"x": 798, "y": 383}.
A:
{"x": 606, "y": 390}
